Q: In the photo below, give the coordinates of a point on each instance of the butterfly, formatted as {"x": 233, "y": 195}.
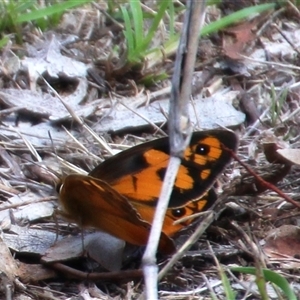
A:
{"x": 119, "y": 196}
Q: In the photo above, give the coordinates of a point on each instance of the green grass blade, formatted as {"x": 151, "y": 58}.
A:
{"x": 48, "y": 11}
{"x": 4, "y": 41}
{"x": 229, "y": 292}
{"x": 261, "y": 282}
{"x": 171, "y": 11}
{"x": 128, "y": 34}
{"x": 154, "y": 25}
{"x": 21, "y": 8}
{"x": 138, "y": 22}
{"x": 271, "y": 276}
{"x": 282, "y": 99}
{"x": 273, "y": 107}
{"x": 234, "y": 17}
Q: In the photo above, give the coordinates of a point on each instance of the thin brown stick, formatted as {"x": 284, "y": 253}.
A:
{"x": 46, "y": 199}
{"x": 110, "y": 276}
{"x": 267, "y": 184}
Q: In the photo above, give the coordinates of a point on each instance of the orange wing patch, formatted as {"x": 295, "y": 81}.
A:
{"x": 175, "y": 214}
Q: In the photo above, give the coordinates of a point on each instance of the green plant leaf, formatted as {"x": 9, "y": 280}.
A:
{"x": 229, "y": 292}
{"x": 48, "y": 11}
{"x": 4, "y": 41}
{"x": 154, "y": 25}
{"x": 128, "y": 34}
{"x": 138, "y": 22}
{"x": 171, "y": 12}
{"x": 234, "y": 17}
{"x": 271, "y": 276}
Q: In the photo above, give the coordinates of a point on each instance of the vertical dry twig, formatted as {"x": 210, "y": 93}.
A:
{"x": 179, "y": 131}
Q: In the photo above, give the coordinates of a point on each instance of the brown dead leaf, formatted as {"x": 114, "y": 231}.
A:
{"x": 249, "y": 107}
{"x": 290, "y": 155}
{"x": 29, "y": 273}
{"x": 284, "y": 240}
{"x": 236, "y": 39}
{"x": 8, "y": 268}
{"x": 271, "y": 144}
{"x": 102, "y": 247}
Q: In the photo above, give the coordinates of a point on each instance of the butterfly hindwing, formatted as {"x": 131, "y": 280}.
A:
{"x": 91, "y": 202}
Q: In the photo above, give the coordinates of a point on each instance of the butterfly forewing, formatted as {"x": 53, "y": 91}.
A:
{"x": 138, "y": 173}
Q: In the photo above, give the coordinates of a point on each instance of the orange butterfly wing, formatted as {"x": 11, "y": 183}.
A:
{"x": 91, "y": 202}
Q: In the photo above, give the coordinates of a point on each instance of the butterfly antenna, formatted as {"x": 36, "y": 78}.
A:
{"x": 57, "y": 185}
{"x": 55, "y": 153}
{"x": 39, "y": 161}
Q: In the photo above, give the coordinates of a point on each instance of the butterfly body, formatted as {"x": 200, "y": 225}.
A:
{"x": 123, "y": 190}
